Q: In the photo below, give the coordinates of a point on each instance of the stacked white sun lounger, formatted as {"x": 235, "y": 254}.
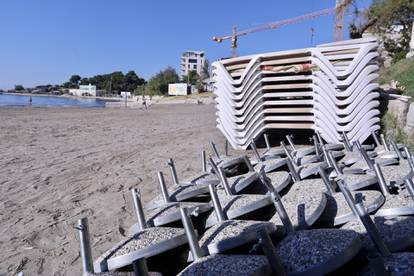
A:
{"x": 330, "y": 88}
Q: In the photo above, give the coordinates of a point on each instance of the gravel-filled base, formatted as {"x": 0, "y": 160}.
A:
{"x": 228, "y": 265}
{"x": 390, "y": 229}
{"x": 197, "y": 189}
{"x": 358, "y": 181}
{"x": 303, "y": 204}
{"x": 302, "y": 151}
{"x": 362, "y": 164}
{"x": 305, "y": 250}
{"x": 403, "y": 199}
{"x": 232, "y": 229}
{"x": 396, "y": 264}
{"x": 149, "y": 236}
{"x": 203, "y": 177}
{"x": 279, "y": 179}
{"x": 396, "y": 174}
{"x": 234, "y": 203}
{"x": 311, "y": 169}
{"x": 351, "y": 158}
{"x": 337, "y": 207}
{"x": 238, "y": 180}
{"x": 171, "y": 208}
{"x": 270, "y": 164}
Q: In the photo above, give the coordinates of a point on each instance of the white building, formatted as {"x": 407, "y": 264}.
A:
{"x": 192, "y": 61}
{"x": 84, "y": 90}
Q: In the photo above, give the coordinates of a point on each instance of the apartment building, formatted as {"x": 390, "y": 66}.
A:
{"x": 191, "y": 61}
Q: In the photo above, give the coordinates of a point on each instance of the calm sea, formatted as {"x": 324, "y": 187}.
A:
{"x": 48, "y": 101}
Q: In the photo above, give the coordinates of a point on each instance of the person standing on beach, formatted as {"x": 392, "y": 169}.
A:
{"x": 144, "y": 102}
{"x": 30, "y": 100}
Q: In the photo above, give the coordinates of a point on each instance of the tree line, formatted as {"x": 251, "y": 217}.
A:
{"x": 116, "y": 82}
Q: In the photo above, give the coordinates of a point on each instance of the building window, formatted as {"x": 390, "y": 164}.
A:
{"x": 195, "y": 66}
{"x": 192, "y": 60}
{"x": 189, "y": 66}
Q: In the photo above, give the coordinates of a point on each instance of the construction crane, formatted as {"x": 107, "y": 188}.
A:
{"x": 340, "y": 7}
{"x": 338, "y": 11}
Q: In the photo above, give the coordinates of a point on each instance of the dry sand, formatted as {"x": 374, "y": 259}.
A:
{"x": 58, "y": 165}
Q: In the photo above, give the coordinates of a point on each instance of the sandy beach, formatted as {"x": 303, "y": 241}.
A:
{"x": 58, "y": 165}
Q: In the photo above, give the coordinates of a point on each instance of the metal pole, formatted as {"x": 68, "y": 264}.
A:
{"x": 319, "y": 138}
{"x": 376, "y": 263}
{"x": 139, "y": 211}
{"x": 325, "y": 154}
{"x": 409, "y": 157}
{"x": 248, "y": 164}
{"x": 397, "y": 151}
{"x": 381, "y": 180}
{"x": 203, "y": 161}
{"x": 270, "y": 253}
{"x": 266, "y": 138}
{"x": 214, "y": 166}
{"x": 214, "y": 148}
{"x": 326, "y": 181}
{"x": 346, "y": 142}
{"x": 277, "y": 202}
{"x": 256, "y": 153}
{"x": 289, "y": 138}
{"x": 384, "y": 142}
{"x": 334, "y": 164}
{"x": 293, "y": 172}
{"x": 174, "y": 176}
{"x": 164, "y": 190}
{"x": 410, "y": 186}
{"x": 347, "y": 195}
{"x": 221, "y": 216}
{"x": 374, "y": 135}
{"x": 368, "y": 160}
{"x": 225, "y": 182}
{"x": 85, "y": 246}
{"x": 372, "y": 230}
{"x": 140, "y": 267}
{"x": 287, "y": 152}
{"x": 191, "y": 235}
{"x": 316, "y": 145}
{"x": 226, "y": 148}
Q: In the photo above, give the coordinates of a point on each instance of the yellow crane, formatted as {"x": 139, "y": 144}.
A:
{"x": 338, "y": 30}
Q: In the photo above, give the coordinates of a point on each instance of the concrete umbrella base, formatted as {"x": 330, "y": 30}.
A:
{"x": 397, "y": 264}
{"x": 146, "y": 243}
{"x": 231, "y": 234}
{"x": 236, "y": 206}
{"x": 229, "y": 265}
{"x": 303, "y": 204}
{"x": 397, "y": 232}
{"x": 338, "y": 212}
{"x": 318, "y": 251}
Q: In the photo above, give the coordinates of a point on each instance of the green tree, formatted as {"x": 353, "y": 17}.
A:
{"x": 206, "y": 70}
{"x": 158, "y": 84}
{"x": 18, "y": 87}
{"x": 381, "y": 17}
{"x": 75, "y": 79}
{"x": 132, "y": 81}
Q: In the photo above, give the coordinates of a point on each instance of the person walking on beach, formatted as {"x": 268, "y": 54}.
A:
{"x": 144, "y": 102}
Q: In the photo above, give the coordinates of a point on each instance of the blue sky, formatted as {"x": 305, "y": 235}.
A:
{"x": 46, "y": 41}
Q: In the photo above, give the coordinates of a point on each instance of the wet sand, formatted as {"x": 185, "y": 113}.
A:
{"x": 58, "y": 165}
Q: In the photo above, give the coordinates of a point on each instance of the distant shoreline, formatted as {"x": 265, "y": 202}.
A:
{"x": 64, "y": 96}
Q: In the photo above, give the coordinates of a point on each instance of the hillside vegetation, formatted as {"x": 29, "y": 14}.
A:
{"x": 403, "y": 72}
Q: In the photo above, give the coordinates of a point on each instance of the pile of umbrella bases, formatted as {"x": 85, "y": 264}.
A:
{"x": 286, "y": 210}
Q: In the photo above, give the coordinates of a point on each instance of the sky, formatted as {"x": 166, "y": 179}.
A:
{"x": 47, "y": 41}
